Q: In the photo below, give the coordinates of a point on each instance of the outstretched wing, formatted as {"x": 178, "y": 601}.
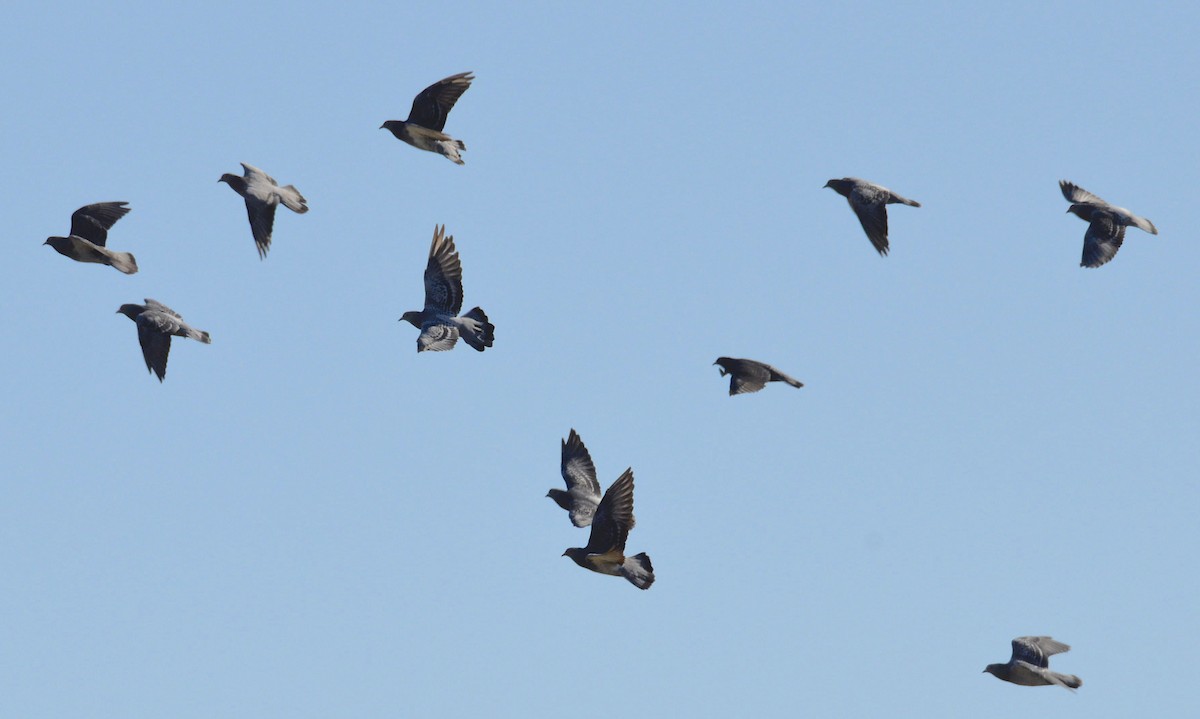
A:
{"x": 92, "y": 222}
{"x": 1102, "y": 240}
{"x": 614, "y": 517}
{"x": 431, "y": 106}
{"x": 155, "y": 341}
{"x": 443, "y": 275}
{"x": 873, "y": 218}
{"x": 437, "y": 336}
{"x": 1036, "y": 650}
{"x": 1076, "y": 194}
{"x": 580, "y": 475}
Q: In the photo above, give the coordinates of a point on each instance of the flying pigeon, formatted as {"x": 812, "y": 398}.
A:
{"x": 747, "y": 375}
{"x": 262, "y": 193}
{"x": 605, "y": 550}
{"x": 423, "y": 128}
{"x": 1030, "y": 664}
{"x": 155, "y": 324}
{"x": 869, "y": 201}
{"x": 583, "y": 491}
{"x": 1106, "y": 224}
{"x": 440, "y": 326}
{"x": 89, "y": 231}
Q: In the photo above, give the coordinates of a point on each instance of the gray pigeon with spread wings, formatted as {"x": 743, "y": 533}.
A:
{"x": 582, "y": 495}
{"x": 1030, "y": 664}
{"x": 1106, "y": 224}
{"x": 869, "y": 201}
{"x": 605, "y": 550}
{"x": 262, "y": 194}
{"x": 747, "y": 375}
{"x": 439, "y": 322}
{"x": 423, "y": 128}
{"x": 89, "y": 233}
{"x": 156, "y": 324}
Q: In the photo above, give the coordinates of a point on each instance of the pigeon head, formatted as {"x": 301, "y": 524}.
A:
{"x": 131, "y": 311}
{"x": 577, "y": 555}
{"x": 56, "y": 242}
{"x": 392, "y": 125}
{"x": 413, "y": 317}
{"x": 724, "y": 362}
{"x": 560, "y": 498}
{"x": 237, "y": 183}
{"x": 1081, "y": 210}
{"x": 842, "y": 187}
{"x": 997, "y": 670}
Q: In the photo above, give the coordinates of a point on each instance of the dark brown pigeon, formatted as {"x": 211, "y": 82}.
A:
{"x": 156, "y": 323}
{"x": 423, "y": 128}
{"x": 869, "y": 201}
{"x": 439, "y": 322}
{"x": 262, "y": 194}
{"x": 1030, "y": 664}
{"x": 89, "y": 231}
{"x": 582, "y": 495}
{"x": 605, "y": 551}
{"x": 747, "y": 375}
{"x": 1106, "y": 224}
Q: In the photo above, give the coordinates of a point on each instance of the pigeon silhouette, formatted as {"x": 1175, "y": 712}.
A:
{"x": 156, "y": 323}
{"x": 89, "y": 232}
{"x": 262, "y": 193}
{"x": 1106, "y": 224}
{"x": 869, "y": 201}
{"x": 582, "y": 495}
{"x": 605, "y": 550}
{"x": 423, "y": 128}
{"x": 1030, "y": 664}
{"x": 439, "y": 324}
{"x": 747, "y": 375}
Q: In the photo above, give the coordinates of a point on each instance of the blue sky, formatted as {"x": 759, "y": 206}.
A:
{"x": 309, "y": 519}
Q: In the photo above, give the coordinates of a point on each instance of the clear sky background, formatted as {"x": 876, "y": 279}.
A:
{"x": 309, "y": 519}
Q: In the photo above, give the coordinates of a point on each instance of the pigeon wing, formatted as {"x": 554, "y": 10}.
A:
{"x": 748, "y": 376}
{"x": 1036, "y": 650}
{"x": 155, "y": 342}
{"x": 262, "y": 223}
{"x": 614, "y": 517}
{"x": 160, "y": 307}
{"x": 1102, "y": 240}
{"x": 431, "y": 106}
{"x": 437, "y": 336}
{"x": 92, "y": 222}
{"x": 443, "y": 276}
{"x": 873, "y": 218}
{"x": 580, "y": 475}
{"x": 1076, "y": 194}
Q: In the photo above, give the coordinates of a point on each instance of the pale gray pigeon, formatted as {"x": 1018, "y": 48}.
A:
{"x": 747, "y": 375}
{"x": 262, "y": 193}
{"x": 439, "y": 324}
{"x": 156, "y": 323}
{"x": 869, "y": 201}
{"x": 605, "y": 550}
{"x": 582, "y": 495}
{"x": 1106, "y": 224}
{"x": 423, "y": 128}
{"x": 89, "y": 232}
{"x": 1030, "y": 664}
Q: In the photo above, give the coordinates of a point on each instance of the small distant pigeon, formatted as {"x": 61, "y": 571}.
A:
{"x": 262, "y": 193}
{"x": 582, "y": 495}
{"x": 869, "y": 201}
{"x": 1030, "y": 664}
{"x": 89, "y": 231}
{"x": 440, "y": 326}
{"x": 747, "y": 375}
{"x": 605, "y": 551}
{"x": 423, "y": 128}
{"x": 156, "y": 323}
{"x": 1106, "y": 224}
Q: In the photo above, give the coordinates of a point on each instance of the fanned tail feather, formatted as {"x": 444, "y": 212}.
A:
{"x": 480, "y": 333}
{"x": 292, "y": 198}
{"x": 124, "y": 262}
{"x": 638, "y": 570}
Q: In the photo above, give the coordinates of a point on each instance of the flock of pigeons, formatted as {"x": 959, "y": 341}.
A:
{"x": 609, "y": 515}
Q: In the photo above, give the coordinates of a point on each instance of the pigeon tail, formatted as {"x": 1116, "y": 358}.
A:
{"x": 123, "y": 261}
{"x": 199, "y": 335}
{"x": 790, "y": 380}
{"x": 478, "y": 332}
{"x": 293, "y": 199}
{"x": 1143, "y": 224}
{"x": 1070, "y": 681}
{"x": 638, "y": 570}
{"x": 450, "y": 148}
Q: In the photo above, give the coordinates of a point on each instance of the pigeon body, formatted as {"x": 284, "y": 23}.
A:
{"x": 89, "y": 233}
{"x": 605, "y": 550}
{"x": 747, "y": 375}
{"x": 869, "y": 202}
{"x": 439, "y": 324}
{"x": 1106, "y": 224}
{"x": 1030, "y": 664}
{"x": 156, "y": 324}
{"x": 582, "y": 495}
{"x": 262, "y": 194}
{"x": 423, "y": 128}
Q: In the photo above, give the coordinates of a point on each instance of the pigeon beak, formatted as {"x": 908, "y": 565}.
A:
{"x": 383, "y": 126}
